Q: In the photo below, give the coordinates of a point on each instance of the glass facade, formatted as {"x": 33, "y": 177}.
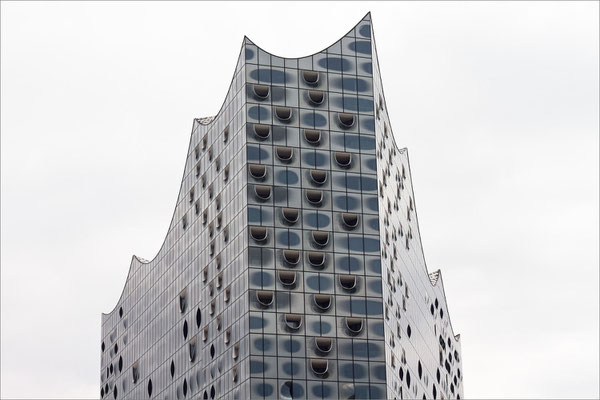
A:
{"x": 278, "y": 277}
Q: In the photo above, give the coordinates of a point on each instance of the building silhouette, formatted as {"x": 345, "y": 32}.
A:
{"x": 293, "y": 266}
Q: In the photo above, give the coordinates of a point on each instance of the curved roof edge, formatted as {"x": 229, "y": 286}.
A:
{"x": 367, "y": 17}
{"x": 207, "y": 122}
{"x": 404, "y": 150}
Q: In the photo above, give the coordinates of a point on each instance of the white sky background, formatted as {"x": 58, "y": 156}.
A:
{"x": 497, "y": 103}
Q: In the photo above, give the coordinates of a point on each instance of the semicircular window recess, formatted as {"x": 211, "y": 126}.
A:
{"x": 293, "y": 321}
{"x": 261, "y": 91}
{"x": 312, "y": 136}
{"x": 343, "y": 159}
{"x": 321, "y": 238}
{"x": 259, "y": 233}
{"x": 262, "y": 192}
{"x": 319, "y": 367}
{"x": 314, "y": 197}
{"x": 346, "y": 120}
{"x": 265, "y": 297}
{"x": 316, "y": 258}
{"x": 350, "y": 220}
{"x": 290, "y": 215}
{"x": 324, "y": 344}
{"x": 287, "y": 278}
{"x": 322, "y": 301}
{"x": 354, "y": 325}
{"x": 310, "y": 77}
{"x": 318, "y": 176}
{"x": 316, "y": 96}
{"x": 285, "y": 154}
{"x": 262, "y": 131}
{"x": 291, "y": 257}
{"x": 258, "y": 171}
{"x": 283, "y": 113}
{"x": 348, "y": 282}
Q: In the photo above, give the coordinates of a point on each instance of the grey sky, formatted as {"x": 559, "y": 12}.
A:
{"x": 497, "y": 103}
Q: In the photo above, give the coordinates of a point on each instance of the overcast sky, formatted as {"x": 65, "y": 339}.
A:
{"x": 496, "y": 102}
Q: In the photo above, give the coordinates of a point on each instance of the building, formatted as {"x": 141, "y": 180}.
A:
{"x": 293, "y": 265}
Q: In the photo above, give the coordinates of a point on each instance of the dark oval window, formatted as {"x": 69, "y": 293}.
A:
{"x": 258, "y": 233}
{"x": 149, "y": 387}
{"x": 318, "y": 366}
{"x": 322, "y": 301}
{"x": 293, "y": 321}
{"x": 314, "y": 196}
{"x": 212, "y": 351}
{"x": 343, "y": 159}
{"x": 323, "y": 344}
{"x": 283, "y": 113}
{"x": 350, "y": 220}
{"x": 264, "y": 297}
{"x": 291, "y": 256}
{"x": 354, "y": 325}
{"x": 316, "y": 258}
{"x": 120, "y": 364}
{"x": 321, "y": 238}
{"x": 185, "y": 329}
{"x": 348, "y": 282}
{"x": 290, "y": 215}
{"x": 258, "y": 171}
{"x": 312, "y": 136}
{"x": 172, "y": 369}
{"x": 285, "y": 154}
{"x": 262, "y": 131}
{"x": 316, "y": 96}
{"x": 198, "y": 318}
{"x": 346, "y": 119}
{"x": 287, "y": 278}
{"x": 261, "y": 91}
{"x": 310, "y": 77}
{"x": 318, "y": 176}
{"x": 262, "y": 192}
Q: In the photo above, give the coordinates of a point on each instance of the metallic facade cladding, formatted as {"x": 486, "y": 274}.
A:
{"x": 293, "y": 265}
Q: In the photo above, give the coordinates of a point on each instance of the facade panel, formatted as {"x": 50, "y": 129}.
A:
{"x": 293, "y": 266}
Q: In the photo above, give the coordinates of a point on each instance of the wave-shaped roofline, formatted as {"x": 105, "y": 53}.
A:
{"x": 404, "y": 150}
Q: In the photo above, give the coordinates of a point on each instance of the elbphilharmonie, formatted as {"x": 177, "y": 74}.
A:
{"x": 293, "y": 265}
